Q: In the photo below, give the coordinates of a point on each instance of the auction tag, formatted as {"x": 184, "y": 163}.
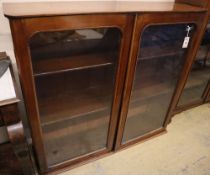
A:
{"x": 186, "y": 42}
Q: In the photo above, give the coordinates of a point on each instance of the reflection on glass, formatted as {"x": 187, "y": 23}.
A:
{"x": 199, "y": 75}
{"x": 159, "y": 63}
{"x": 74, "y": 73}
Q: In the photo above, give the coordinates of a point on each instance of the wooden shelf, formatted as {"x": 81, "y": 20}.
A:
{"x": 155, "y": 52}
{"x": 78, "y": 124}
{"x": 57, "y": 65}
{"x": 72, "y": 105}
{"x": 151, "y": 89}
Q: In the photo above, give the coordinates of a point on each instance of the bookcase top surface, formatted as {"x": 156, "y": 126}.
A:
{"x": 35, "y": 9}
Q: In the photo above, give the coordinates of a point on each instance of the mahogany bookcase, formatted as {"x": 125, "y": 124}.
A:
{"x": 99, "y": 76}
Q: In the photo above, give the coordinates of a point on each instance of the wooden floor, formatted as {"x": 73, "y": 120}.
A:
{"x": 184, "y": 150}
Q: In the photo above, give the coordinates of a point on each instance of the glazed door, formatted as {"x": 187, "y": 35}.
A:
{"x": 159, "y": 51}
{"x": 195, "y": 89}
{"x": 77, "y": 73}
{"x": 74, "y": 73}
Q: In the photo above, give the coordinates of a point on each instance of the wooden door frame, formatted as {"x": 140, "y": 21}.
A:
{"x": 24, "y": 28}
{"x": 141, "y": 22}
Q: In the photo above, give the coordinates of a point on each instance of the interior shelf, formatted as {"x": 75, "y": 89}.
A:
{"x": 85, "y": 92}
{"x": 150, "y": 91}
{"x": 151, "y": 52}
{"x": 76, "y": 62}
{"x": 75, "y": 125}
{"x": 153, "y": 89}
{"x": 71, "y": 105}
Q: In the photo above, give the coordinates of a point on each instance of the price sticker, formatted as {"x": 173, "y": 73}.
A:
{"x": 186, "y": 42}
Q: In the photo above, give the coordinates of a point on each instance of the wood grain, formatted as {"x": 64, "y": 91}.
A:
{"x": 57, "y": 65}
{"x": 200, "y": 3}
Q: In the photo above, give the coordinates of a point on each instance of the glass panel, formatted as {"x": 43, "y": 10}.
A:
{"x": 159, "y": 63}
{"x": 199, "y": 75}
{"x": 74, "y": 73}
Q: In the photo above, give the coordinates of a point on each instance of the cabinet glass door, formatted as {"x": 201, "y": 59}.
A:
{"x": 200, "y": 74}
{"x": 159, "y": 62}
{"x": 74, "y": 73}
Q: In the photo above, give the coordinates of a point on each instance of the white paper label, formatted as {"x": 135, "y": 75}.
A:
{"x": 186, "y": 42}
{"x": 7, "y": 90}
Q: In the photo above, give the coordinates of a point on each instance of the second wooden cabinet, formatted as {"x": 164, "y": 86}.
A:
{"x": 196, "y": 87}
{"x": 94, "y": 83}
